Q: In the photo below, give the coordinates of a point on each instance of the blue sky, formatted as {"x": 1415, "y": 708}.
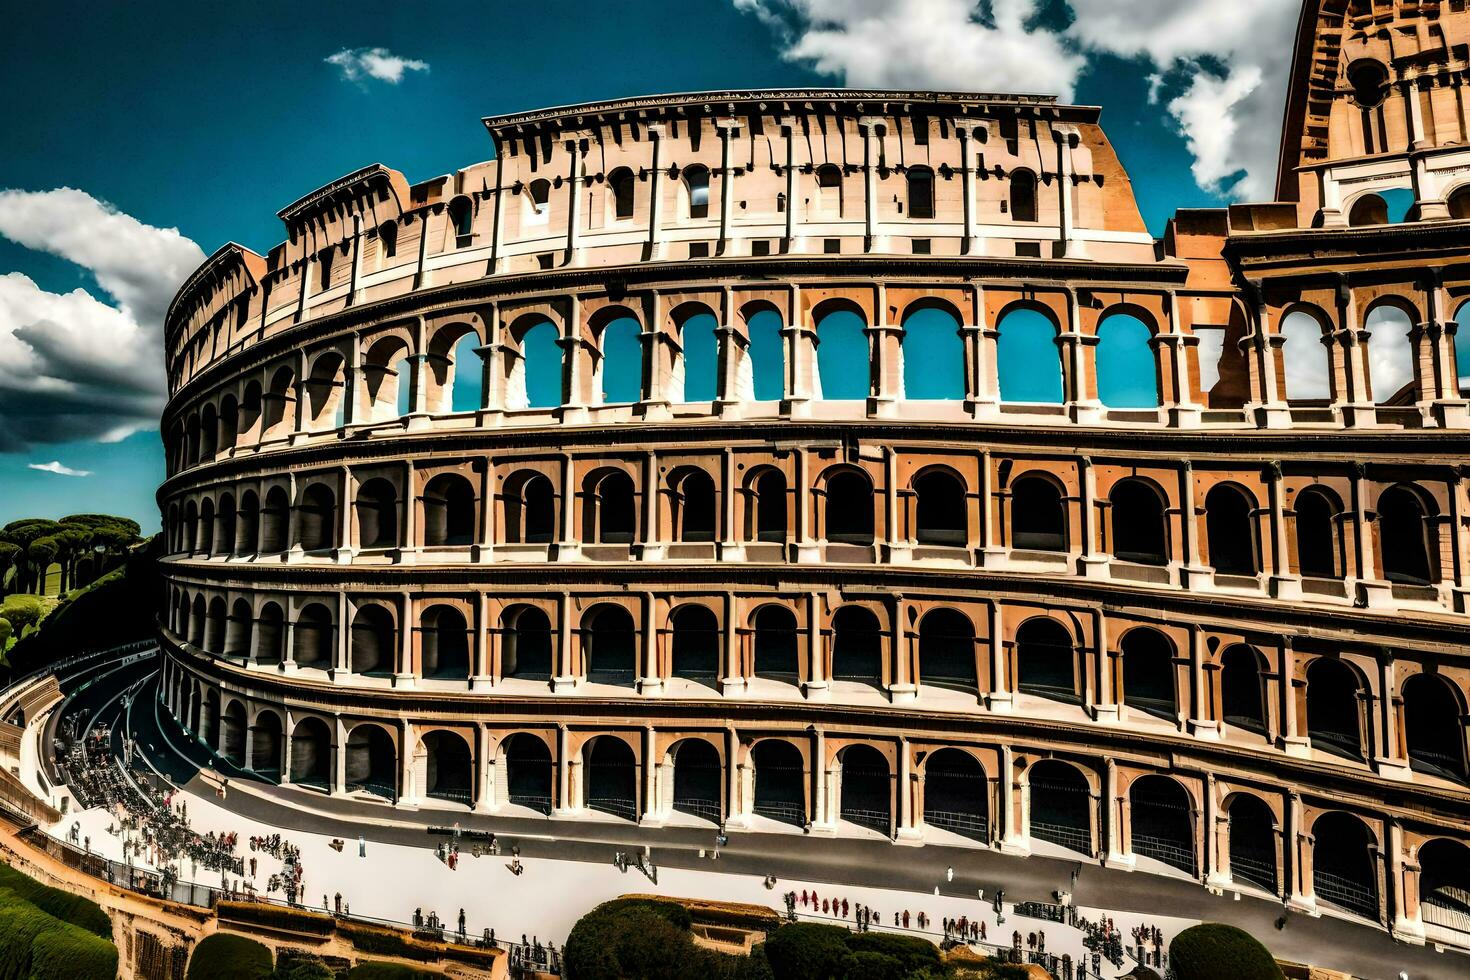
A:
{"x": 209, "y": 118}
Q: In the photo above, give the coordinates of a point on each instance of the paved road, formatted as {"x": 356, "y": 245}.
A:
{"x": 1327, "y": 941}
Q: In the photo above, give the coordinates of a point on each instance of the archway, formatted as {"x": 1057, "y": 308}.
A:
{"x": 612, "y": 777}
{"x": 780, "y": 781}
{"x": 1306, "y": 358}
{"x": 377, "y": 515}
{"x": 775, "y": 642}
{"x": 311, "y": 754}
{"x": 1148, "y": 673}
{"x": 941, "y": 514}
{"x": 697, "y": 779}
{"x": 449, "y": 511}
{"x": 536, "y": 379}
{"x": 857, "y": 646}
{"x": 867, "y": 792}
{"x": 769, "y": 507}
{"x": 270, "y": 635}
{"x": 694, "y": 506}
{"x": 1406, "y": 539}
{"x": 445, "y": 639}
{"x": 700, "y": 357}
{"x": 529, "y": 505}
{"x": 1028, "y": 360}
{"x": 312, "y": 645}
{"x": 372, "y": 763}
{"x": 1444, "y": 887}
{"x": 1139, "y": 531}
{"x": 265, "y": 745}
{"x": 620, "y": 369}
{"x": 1231, "y": 531}
{"x": 528, "y": 772}
{"x": 1318, "y": 535}
{"x": 1434, "y": 727}
{"x": 611, "y": 514}
{"x": 1127, "y": 375}
{"x": 1242, "y": 694}
{"x": 1046, "y": 660}
{"x": 1252, "y": 841}
{"x": 525, "y": 646}
{"x": 449, "y": 772}
{"x": 956, "y": 794}
{"x": 1344, "y": 869}
{"x": 275, "y": 519}
{"x": 610, "y": 645}
{"x": 1061, "y": 805}
{"x": 1390, "y": 355}
{"x": 1038, "y": 516}
{"x": 849, "y": 508}
{"x": 316, "y": 519}
{"x": 767, "y": 356}
{"x": 842, "y": 356}
{"x": 1162, "y": 822}
{"x": 695, "y": 646}
{"x": 933, "y": 354}
{"x": 1332, "y": 708}
{"x": 372, "y": 649}
{"x": 947, "y": 651}
{"x": 233, "y": 734}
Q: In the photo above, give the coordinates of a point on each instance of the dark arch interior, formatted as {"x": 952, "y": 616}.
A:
{"x": 947, "y": 650}
{"x": 1061, "y": 806}
{"x": 1162, "y": 826}
{"x": 1404, "y": 537}
{"x": 1252, "y": 842}
{"x": 371, "y": 762}
{"x": 696, "y": 502}
{"x": 1046, "y": 661}
{"x": 1433, "y": 730}
{"x": 1023, "y": 195}
{"x": 377, "y": 515}
{"x": 233, "y": 734}
{"x": 1038, "y": 518}
{"x": 316, "y": 518}
{"x": 528, "y": 772}
{"x": 313, "y": 637}
{"x": 530, "y": 511}
{"x": 612, "y": 778}
{"x": 1138, "y": 524}
{"x": 1343, "y": 867}
{"x": 956, "y": 794}
{"x": 449, "y": 775}
{"x": 866, "y": 790}
{"x": 270, "y": 635}
{"x": 775, "y": 642}
{"x": 697, "y": 779}
{"x": 449, "y": 512}
{"x": 1231, "y": 531}
{"x": 696, "y": 644}
{"x": 780, "y": 781}
{"x": 850, "y": 509}
{"x": 612, "y": 650}
{"x": 941, "y": 516}
{"x": 525, "y": 650}
{"x": 770, "y": 506}
{"x": 1332, "y": 708}
{"x": 1444, "y": 884}
{"x": 1241, "y": 697}
{"x": 1148, "y": 673}
{"x": 445, "y": 642}
{"x": 372, "y": 644}
{"x": 1316, "y": 536}
{"x": 265, "y": 745}
{"x": 311, "y": 754}
{"x": 617, "y": 517}
{"x": 857, "y": 646}
{"x": 275, "y": 517}
{"x": 1370, "y": 209}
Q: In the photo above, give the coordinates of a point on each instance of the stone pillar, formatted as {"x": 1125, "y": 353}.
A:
{"x": 485, "y": 772}
{"x": 1373, "y": 592}
{"x": 652, "y": 543}
{"x": 822, "y": 822}
{"x": 346, "y": 540}
{"x": 982, "y": 376}
{"x": 576, "y": 182}
{"x": 1104, "y": 702}
{"x": 907, "y": 831}
{"x": 1184, "y": 411}
{"x": 1300, "y": 895}
{"x": 1000, "y": 699}
{"x": 1192, "y": 571}
{"x": 972, "y": 244}
{"x": 1358, "y": 406}
{"x": 1202, "y": 722}
{"x": 1115, "y": 808}
{"x": 1284, "y": 583}
{"x": 406, "y": 671}
{"x": 902, "y": 687}
{"x": 807, "y": 548}
{"x": 869, "y": 127}
{"x": 1093, "y": 562}
{"x": 1260, "y": 348}
{"x": 1216, "y": 822}
{"x": 1079, "y": 355}
{"x": 793, "y": 196}
{"x": 816, "y": 684}
{"x": 569, "y": 546}
{"x": 733, "y": 682}
{"x": 655, "y": 247}
{"x": 653, "y": 811}
{"x": 1448, "y": 407}
{"x": 338, "y": 748}
{"x": 728, "y": 130}
{"x": 341, "y": 663}
{"x": 803, "y": 384}
{"x": 1292, "y": 740}
{"x": 651, "y": 682}
{"x": 1014, "y": 806}
{"x": 1404, "y": 910}
{"x": 737, "y": 807}
{"x": 991, "y": 553}
{"x": 1390, "y": 760}
{"x": 564, "y": 805}
{"x": 1066, "y": 138}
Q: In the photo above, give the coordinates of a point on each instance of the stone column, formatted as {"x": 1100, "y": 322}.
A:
{"x": 1104, "y": 703}
{"x": 737, "y": 808}
{"x": 1192, "y": 572}
{"x": 822, "y": 822}
{"x": 652, "y": 681}
{"x": 872, "y": 151}
{"x": 1373, "y": 592}
{"x": 982, "y": 377}
{"x": 1116, "y": 808}
{"x": 1093, "y": 562}
{"x": 816, "y": 684}
{"x": 1358, "y": 408}
{"x": 576, "y": 181}
{"x": 793, "y": 195}
{"x": 1284, "y": 583}
{"x": 1184, "y": 411}
{"x": 1079, "y": 355}
{"x": 733, "y": 683}
{"x": 907, "y": 831}
{"x": 1014, "y": 806}
{"x": 564, "y": 805}
{"x": 655, "y": 247}
{"x": 1260, "y": 347}
{"x": 1300, "y": 895}
{"x": 339, "y": 757}
{"x": 653, "y": 811}
{"x": 1295, "y": 743}
{"x": 728, "y": 130}
{"x": 1405, "y": 914}
{"x": 1000, "y": 699}
{"x": 1390, "y": 760}
{"x": 972, "y": 244}
{"x": 803, "y": 384}
{"x": 901, "y": 687}
{"x": 1202, "y": 723}
{"x": 406, "y": 670}
{"x": 409, "y": 791}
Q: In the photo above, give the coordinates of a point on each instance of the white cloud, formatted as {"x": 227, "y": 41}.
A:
{"x": 71, "y": 366}
{"x": 360, "y": 64}
{"x": 57, "y": 467}
{"x": 1225, "y": 64}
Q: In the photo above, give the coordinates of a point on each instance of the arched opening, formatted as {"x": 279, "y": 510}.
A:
{"x": 1459, "y": 205}
{"x": 372, "y": 763}
{"x": 388, "y": 379}
{"x": 694, "y": 506}
{"x": 769, "y": 508}
{"x": 461, "y": 219}
{"x": 1406, "y": 538}
{"x": 767, "y": 356}
{"x": 620, "y": 368}
{"x": 1046, "y": 660}
{"x": 957, "y": 795}
{"x": 536, "y": 378}
{"x": 1344, "y": 867}
{"x": 1444, "y": 888}
{"x": 842, "y": 356}
{"x": 446, "y": 644}
{"x": 466, "y": 369}
{"x": 1162, "y": 822}
{"x": 1390, "y": 355}
{"x": 225, "y": 527}
{"x": 775, "y": 642}
{"x": 933, "y": 355}
{"x": 947, "y": 651}
{"x": 1370, "y": 209}
{"x": 449, "y": 775}
{"x": 621, "y": 184}
{"x": 1023, "y": 195}
{"x": 941, "y": 511}
{"x": 867, "y": 793}
{"x": 1127, "y": 374}
{"x": 387, "y": 240}
{"x": 1038, "y": 516}
{"x": 449, "y": 512}
{"x": 275, "y": 519}
{"x": 697, "y": 779}
{"x": 208, "y": 434}
{"x": 232, "y": 734}
{"x": 1242, "y": 689}
{"x": 1140, "y": 533}
{"x": 316, "y": 519}
{"x": 529, "y": 505}
{"x": 247, "y": 527}
{"x": 528, "y": 772}
{"x": 538, "y": 198}
{"x": 696, "y": 190}
{"x": 612, "y": 777}
{"x": 311, "y": 754}
{"x": 612, "y": 515}
{"x": 1252, "y": 842}
{"x": 1061, "y": 805}
{"x": 214, "y": 626}
{"x": 829, "y": 191}
{"x": 857, "y": 646}
{"x": 1231, "y": 530}
{"x": 610, "y": 645}
{"x": 780, "y": 782}
{"x": 525, "y": 646}
{"x": 270, "y": 635}
{"x": 849, "y": 512}
{"x": 1306, "y": 358}
{"x": 1332, "y": 708}
{"x": 190, "y": 541}
{"x": 325, "y": 390}
{"x": 921, "y": 192}
{"x": 699, "y": 360}
{"x": 695, "y": 646}
{"x": 1319, "y": 546}
{"x": 205, "y": 544}
{"x": 1148, "y": 673}
{"x": 1434, "y": 727}
{"x": 1028, "y": 359}
{"x": 377, "y": 515}
{"x": 312, "y": 635}
{"x": 196, "y": 622}
{"x": 265, "y": 746}
{"x": 229, "y": 422}
{"x": 372, "y": 647}
{"x": 279, "y": 401}
{"x": 238, "y": 630}
{"x": 1462, "y": 323}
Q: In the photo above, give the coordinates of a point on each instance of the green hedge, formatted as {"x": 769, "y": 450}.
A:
{"x": 277, "y": 917}
{"x": 1214, "y": 951}
{"x": 385, "y": 942}
{"x": 389, "y": 971}
{"x": 35, "y": 945}
{"x": 303, "y": 967}
{"x": 807, "y": 951}
{"x": 642, "y": 939}
{"x": 65, "y": 906}
{"x": 226, "y": 957}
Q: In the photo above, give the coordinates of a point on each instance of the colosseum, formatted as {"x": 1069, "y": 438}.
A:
{"x": 856, "y": 463}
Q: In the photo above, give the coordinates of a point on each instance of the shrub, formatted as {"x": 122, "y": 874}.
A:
{"x": 226, "y": 957}
{"x": 277, "y": 917}
{"x": 639, "y": 939}
{"x": 1214, "y": 951}
{"x": 385, "y": 942}
{"x": 675, "y": 913}
{"x": 910, "y": 952}
{"x": 35, "y": 944}
{"x": 389, "y": 971}
{"x": 304, "y": 968}
{"x": 65, "y": 906}
{"x": 807, "y": 951}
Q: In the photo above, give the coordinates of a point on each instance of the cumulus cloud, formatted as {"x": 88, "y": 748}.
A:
{"x": 72, "y": 367}
{"x": 378, "y": 64}
{"x": 1219, "y": 69}
{"x": 59, "y": 468}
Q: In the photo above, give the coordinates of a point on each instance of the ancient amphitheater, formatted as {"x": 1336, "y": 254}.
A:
{"x": 858, "y": 463}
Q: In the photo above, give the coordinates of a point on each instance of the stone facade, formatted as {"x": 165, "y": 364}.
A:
{"x": 1221, "y": 633}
